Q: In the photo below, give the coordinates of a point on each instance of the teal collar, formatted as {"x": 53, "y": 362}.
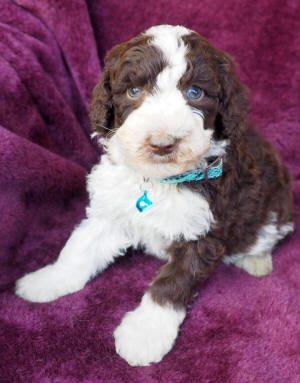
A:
{"x": 214, "y": 170}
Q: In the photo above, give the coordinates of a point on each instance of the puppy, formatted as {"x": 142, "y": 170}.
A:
{"x": 183, "y": 176}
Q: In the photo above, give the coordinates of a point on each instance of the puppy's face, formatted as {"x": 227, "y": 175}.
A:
{"x": 164, "y": 99}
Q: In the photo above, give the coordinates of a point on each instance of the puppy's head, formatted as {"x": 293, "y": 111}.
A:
{"x": 166, "y": 100}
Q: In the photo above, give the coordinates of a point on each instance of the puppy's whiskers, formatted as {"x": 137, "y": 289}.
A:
{"x": 110, "y": 131}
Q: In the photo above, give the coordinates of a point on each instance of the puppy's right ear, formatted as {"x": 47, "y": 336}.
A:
{"x": 102, "y": 111}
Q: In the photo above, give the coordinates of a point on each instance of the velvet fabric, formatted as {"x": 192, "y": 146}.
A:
{"x": 239, "y": 329}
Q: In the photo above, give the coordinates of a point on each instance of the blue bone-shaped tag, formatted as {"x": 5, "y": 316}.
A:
{"x": 143, "y": 202}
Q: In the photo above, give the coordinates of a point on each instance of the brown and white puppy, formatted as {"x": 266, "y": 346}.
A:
{"x": 169, "y": 103}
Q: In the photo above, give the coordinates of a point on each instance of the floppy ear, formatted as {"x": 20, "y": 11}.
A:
{"x": 233, "y": 100}
{"x": 101, "y": 111}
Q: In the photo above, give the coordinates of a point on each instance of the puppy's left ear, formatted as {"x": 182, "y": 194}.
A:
{"x": 233, "y": 99}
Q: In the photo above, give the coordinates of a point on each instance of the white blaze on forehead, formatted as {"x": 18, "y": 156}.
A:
{"x": 168, "y": 39}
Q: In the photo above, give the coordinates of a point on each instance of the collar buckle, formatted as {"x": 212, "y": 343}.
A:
{"x": 206, "y": 174}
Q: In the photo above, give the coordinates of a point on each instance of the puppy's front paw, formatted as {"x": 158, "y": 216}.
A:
{"x": 146, "y": 334}
{"x": 47, "y": 284}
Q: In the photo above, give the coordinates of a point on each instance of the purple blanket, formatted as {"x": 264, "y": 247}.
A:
{"x": 240, "y": 329}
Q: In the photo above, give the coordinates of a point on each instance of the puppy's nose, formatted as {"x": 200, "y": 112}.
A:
{"x": 163, "y": 146}
{"x": 162, "y": 150}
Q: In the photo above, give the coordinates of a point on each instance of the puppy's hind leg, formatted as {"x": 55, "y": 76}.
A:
{"x": 258, "y": 266}
{"x": 92, "y": 246}
{"x": 257, "y": 260}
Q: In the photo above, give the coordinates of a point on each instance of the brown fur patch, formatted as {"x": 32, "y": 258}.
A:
{"x": 134, "y": 63}
{"x": 254, "y": 183}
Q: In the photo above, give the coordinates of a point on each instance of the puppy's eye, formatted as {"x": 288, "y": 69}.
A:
{"x": 194, "y": 93}
{"x": 134, "y": 92}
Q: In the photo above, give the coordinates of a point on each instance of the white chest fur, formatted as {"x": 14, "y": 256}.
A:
{"x": 175, "y": 213}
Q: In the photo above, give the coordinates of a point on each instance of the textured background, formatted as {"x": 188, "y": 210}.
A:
{"x": 239, "y": 329}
